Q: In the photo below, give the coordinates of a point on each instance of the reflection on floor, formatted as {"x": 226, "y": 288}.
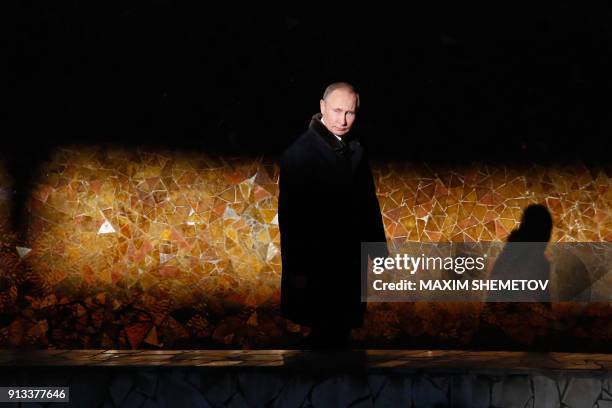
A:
{"x": 149, "y": 378}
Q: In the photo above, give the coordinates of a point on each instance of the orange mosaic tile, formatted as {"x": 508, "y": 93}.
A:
{"x": 136, "y": 248}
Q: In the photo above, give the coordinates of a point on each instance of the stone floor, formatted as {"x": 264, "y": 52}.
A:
{"x": 293, "y": 378}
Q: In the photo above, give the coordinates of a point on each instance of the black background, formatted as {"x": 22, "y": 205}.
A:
{"x": 438, "y": 80}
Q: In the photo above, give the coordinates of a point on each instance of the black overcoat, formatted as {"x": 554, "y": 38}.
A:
{"x": 327, "y": 207}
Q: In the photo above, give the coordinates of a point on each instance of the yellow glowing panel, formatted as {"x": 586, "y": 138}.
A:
{"x": 156, "y": 248}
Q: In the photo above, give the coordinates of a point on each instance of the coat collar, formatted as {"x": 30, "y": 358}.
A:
{"x": 349, "y": 149}
{"x": 340, "y": 147}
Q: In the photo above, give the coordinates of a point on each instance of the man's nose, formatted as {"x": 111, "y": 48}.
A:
{"x": 343, "y": 119}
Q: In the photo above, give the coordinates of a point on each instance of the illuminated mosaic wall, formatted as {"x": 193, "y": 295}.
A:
{"x": 135, "y": 249}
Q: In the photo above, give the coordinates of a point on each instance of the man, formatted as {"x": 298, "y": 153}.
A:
{"x": 327, "y": 207}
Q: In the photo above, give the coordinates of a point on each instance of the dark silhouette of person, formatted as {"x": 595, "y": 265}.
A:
{"x": 523, "y": 257}
{"x": 571, "y": 277}
{"x": 327, "y": 207}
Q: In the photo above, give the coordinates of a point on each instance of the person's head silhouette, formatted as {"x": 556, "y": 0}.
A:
{"x": 536, "y": 225}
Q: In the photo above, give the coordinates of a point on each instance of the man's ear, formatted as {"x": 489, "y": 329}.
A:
{"x": 322, "y": 105}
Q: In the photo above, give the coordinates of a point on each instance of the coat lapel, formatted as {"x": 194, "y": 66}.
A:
{"x": 331, "y": 148}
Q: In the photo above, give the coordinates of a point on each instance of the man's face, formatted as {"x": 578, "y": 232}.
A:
{"x": 339, "y": 111}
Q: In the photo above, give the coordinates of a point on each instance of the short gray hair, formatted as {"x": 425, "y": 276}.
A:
{"x": 340, "y": 85}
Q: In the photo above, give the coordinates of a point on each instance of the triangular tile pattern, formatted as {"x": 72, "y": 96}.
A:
{"x": 23, "y": 251}
{"x": 193, "y": 243}
{"x": 199, "y": 224}
{"x": 484, "y": 202}
{"x": 106, "y": 228}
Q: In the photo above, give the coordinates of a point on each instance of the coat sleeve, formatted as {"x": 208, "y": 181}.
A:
{"x": 374, "y": 229}
{"x": 293, "y": 223}
{"x": 290, "y": 214}
{"x": 284, "y": 203}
